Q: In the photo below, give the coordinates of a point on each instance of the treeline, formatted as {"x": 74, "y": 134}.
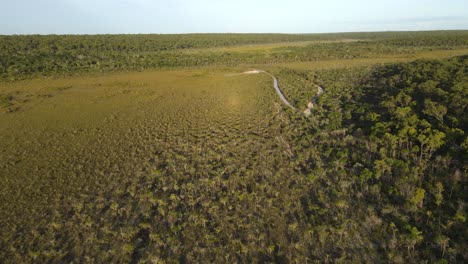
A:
{"x": 392, "y": 162}
{"x": 26, "y": 56}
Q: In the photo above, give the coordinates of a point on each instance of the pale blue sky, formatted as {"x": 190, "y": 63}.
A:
{"x": 191, "y": 16}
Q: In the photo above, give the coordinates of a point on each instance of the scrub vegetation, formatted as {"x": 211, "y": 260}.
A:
{"x": 24, "y": 56}
{"x": 156, "y": 149}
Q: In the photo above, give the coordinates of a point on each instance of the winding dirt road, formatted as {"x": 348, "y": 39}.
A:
{"x": 310, "y": 105}
{"x": 278, "y": 90}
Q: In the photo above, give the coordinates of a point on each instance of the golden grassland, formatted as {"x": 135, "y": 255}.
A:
{"x": 360, "y": 62}
{"x": 75, "y": 103}
{"x": 266, "y": 48}
{"x": 56, "y": 134}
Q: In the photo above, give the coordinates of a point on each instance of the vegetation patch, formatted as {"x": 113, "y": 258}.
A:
{"x": 5, "y": 100}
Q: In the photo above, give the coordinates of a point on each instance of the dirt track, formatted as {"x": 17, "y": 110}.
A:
{"x": 281, "y": 95}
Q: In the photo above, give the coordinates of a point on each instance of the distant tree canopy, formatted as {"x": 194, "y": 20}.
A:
{"x": 23, "y": 56}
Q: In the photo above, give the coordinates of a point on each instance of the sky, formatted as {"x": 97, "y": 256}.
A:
{"x": 228, "y": 16}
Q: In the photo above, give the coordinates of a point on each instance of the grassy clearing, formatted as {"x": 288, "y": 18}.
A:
{"x": 99, "y": 144}
{"x": 360, "y": 62}
{"x": 267, "y": 48}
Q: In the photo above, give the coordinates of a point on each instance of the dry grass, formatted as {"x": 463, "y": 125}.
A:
{"x": 266, "y": 48}
{"x": 103, "y": 138}
{"x": 359, "y": 62}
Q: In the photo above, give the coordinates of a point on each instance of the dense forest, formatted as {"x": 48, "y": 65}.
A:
{"x": 391, "y": 161}
{"x": 25, "y": 56}
{"x": 385, "y": 161}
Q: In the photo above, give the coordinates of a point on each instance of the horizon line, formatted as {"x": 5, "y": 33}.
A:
{"x": 229, "y": 33}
